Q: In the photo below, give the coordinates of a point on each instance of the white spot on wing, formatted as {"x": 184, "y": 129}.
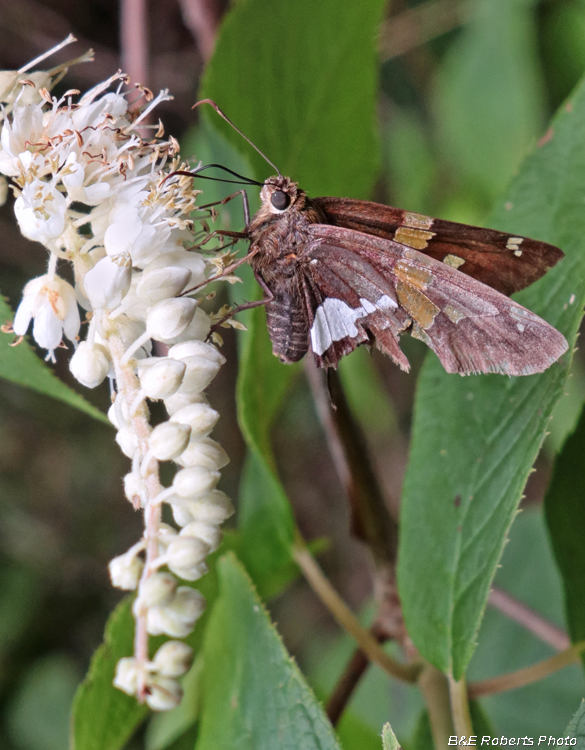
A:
{"x": 367, "y": 305}
{"x": 385, "y": 302}
{"x": 335, "y": 320}
{"x": 514, "y": 243}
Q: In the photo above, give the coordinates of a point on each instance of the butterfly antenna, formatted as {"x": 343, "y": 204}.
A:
{"x": 227, "y": 119}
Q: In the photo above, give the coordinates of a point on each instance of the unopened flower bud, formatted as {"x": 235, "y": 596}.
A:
{"x": 173, "y": 659}
{"x": 168, "y": 318}
{"x": 162, "y": 283}
{"x": 199, "y": 374}
{"x": 158, "y": 590}
{"x": 134, "y": 489}
{"x": 198, "y": 328}
{"x": 168, "y": 440}
{"x": 195, "y": 481}
{"x": 126, "y": 677}
{"x": 90, "y": 364}
{"x": 159, "y": 621}
{"x": 178, "y": 400}
{"x": 125, "y": 572}
{"x": 210, "y": 533}
{"x": 185, "y": 555}
{"x": 161, "y": 379}
{"x": 164, "y": 693}
{"x": 215, "y": 507}
{"x": 188, "y": 605}
{"x": 204, "y": 452}
{"x": 184, "y": 258}
{"x": 113, "y": 417}
{"x": 181, "y": 515}
{"x": 166, "y": 533}
{"x": 200, "y": 417}
{"x": 191, "y": 572}
{"x": 196, "y": 349}
{"x": 127, "y": 440}
{"x": 118, "y": 412}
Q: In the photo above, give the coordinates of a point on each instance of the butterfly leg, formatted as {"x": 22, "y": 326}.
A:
{"x": 228, "y": 199}
{"x": 226, "y": 272}
{"x": 245, "y": 305}
{"x": 235, "y": 311}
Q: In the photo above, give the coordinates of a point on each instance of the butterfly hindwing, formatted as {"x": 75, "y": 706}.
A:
{"x": 360, "y": 287}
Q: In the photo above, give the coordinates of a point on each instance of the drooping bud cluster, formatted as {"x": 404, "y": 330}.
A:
{"x": 105, "y": 201}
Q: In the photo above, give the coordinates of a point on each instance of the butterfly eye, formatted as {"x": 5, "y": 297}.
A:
{"x": 280, "y": 200}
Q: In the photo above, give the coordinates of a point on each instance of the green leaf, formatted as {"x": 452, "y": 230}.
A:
{"x": 254, "y": 695}
{"x": 475, "y": 440}
{"x": 354, "y": 733}
{"x": 389, "y": 741}
{"x": 103, "y": 717}
{"x": 22, "y": 366}
{"x": 528, "y": 573}
{"x": 300, "y": 81}
{"x": 566, "y": 523}
{"x": 266, "y": 528}
{"x": 576, "y": 729}
{"x": 489, "y": 94}
{"x": 292, "y": 111}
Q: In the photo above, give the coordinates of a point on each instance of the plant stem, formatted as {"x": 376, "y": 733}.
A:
{"x": 435, "y": 689}
{"x": 460, "y": 707}
{"x": 347, "y": 683}
{"x": 417, "y": 26}
{"x": 532, "y": 621}
{"x": 129, "y": 386}
{"x": 525, "y": 676}
{"x": 344, "y": 616}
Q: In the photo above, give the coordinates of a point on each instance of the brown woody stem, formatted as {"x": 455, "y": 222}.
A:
{"x": 344, "y": 616}
{"x": 354, "y": 670}
{"x": 525, "y": 676}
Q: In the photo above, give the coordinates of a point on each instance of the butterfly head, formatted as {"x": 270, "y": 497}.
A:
{"x": 280, "y": 194}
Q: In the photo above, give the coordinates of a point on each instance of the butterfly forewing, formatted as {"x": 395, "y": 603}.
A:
{"x": 504, "y": 262}
{"x": 363, "y": 287}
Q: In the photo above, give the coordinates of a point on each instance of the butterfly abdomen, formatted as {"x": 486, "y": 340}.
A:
{"x": 288, "y": 326}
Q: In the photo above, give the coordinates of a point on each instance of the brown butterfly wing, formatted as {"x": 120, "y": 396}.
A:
{"x": 362, "y": 287}
{"x": 505, "y": 262}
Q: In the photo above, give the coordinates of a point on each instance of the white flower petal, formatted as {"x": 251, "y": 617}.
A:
{"x": 107, "y": 283}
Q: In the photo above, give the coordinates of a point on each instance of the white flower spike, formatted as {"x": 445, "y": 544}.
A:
{"x": 124, "y": 223}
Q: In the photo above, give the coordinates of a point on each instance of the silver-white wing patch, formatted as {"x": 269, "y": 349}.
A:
{"x": 335, "y": 320}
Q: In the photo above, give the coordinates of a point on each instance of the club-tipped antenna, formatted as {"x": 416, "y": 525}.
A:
{"x": 245, "y": 137}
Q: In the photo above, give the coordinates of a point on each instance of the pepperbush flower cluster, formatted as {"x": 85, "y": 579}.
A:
{"x": 105, "y": 202}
